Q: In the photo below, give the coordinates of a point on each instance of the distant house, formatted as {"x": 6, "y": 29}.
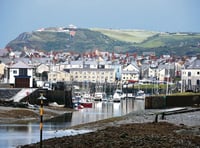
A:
{"x": 42, "y": 72}
{"x": 20, "y": 75}
{"x": 2, "y": 70}
{"x": 191, "y": 76}
{"x": 3, "y": 52}
{"x": 131, "y": 72}
{"x": 56, "y": 76}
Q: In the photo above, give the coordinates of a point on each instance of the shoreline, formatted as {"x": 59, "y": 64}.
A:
{"x": 12, "y": 115}
{"x": 135, "y": 129}
{"x": 179, "y": 128}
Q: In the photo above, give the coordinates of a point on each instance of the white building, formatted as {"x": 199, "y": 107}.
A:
{"x": 190, "y": 76}
{"x": 20, "y": 75}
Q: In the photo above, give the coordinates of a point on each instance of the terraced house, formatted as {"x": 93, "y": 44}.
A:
{"x": 191, "y": 76}
{"x": 84, "y": 71}
{"x": 20, "y": 75}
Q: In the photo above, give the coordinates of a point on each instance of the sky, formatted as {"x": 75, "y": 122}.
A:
{"x": 18, "y": 16}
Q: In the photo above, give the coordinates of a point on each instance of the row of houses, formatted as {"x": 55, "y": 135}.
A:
{"x": 23, "y": 72}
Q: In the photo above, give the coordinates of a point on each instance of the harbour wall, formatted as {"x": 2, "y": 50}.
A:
{"x": 160, "y": 102}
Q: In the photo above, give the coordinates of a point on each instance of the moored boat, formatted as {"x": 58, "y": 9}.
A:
{"x": 86, "y": 103}
{"x": 55, "y": 104}
{"x": 140, "y": 95}
{"x": 118, "y": 95}
{"x": 99, "y": 96}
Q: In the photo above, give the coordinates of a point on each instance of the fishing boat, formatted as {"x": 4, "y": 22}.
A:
{"x": 140, "y": 95}
{"x": 86, "y": 103}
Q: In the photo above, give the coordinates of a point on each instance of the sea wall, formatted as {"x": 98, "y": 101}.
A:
{"x": 58, "y": 96}
{"x": 159, "y": 102}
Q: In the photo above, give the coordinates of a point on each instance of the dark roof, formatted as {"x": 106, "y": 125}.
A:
{"x": 195, "y": 64}
{"x": 20, "y": 64}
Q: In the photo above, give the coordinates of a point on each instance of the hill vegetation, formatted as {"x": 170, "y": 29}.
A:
{"x": 112, "y": 40}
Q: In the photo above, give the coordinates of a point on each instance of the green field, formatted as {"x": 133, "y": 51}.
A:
{"x": 165, "y": 39}
{"x": 133, "y": 36}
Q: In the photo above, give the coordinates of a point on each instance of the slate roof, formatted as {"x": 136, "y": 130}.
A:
{"x": 20, "y": 64}
{"x": 195, "y": 64}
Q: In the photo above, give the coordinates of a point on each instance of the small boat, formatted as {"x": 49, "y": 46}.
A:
{"x": 86, "y": 103}
{"x": 140, "y": 95}
{"x": 55, "y": 104}
{"x": 80, "y": 106}
{"x": 118, "y": 95}
{"x": 99, "y": 96}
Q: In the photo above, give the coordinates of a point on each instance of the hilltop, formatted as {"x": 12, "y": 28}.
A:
{"x": 112, "y": 40}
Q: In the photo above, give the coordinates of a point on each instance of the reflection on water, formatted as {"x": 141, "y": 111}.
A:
{"x": 139, "y": 105}
{"x": 13, "y": 135}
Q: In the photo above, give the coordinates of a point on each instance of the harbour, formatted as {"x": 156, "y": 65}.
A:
{"x": 13, "y": 135}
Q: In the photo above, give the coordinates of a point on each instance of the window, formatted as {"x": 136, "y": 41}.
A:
{"x": 14, "y": 71}
{"x": 198, "y": 82}
{"x": 198, "y": 72}
{"x": 23, "y": 72}
{"x": 189, "y": 73}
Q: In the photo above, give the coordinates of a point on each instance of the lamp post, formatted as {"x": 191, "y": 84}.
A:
{"x": 41, "y": 98}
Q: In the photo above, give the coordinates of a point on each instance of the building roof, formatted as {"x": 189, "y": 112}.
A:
{"x": 194, "y": 65}
{"x": 20, "y": 64}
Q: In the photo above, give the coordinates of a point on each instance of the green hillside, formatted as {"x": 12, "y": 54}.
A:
{"x": 83, "y": 40}
{"x": 171, "y": 40}
{"x": 133, "y": 36}
{"x": 111, "y": 40}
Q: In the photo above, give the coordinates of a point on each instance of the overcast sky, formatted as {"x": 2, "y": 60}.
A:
{"x": 18, "y": 16}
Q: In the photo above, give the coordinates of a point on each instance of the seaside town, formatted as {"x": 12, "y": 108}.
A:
{"x": 93, "y": 77}
{"x": 47, "y": 68}
{"x": 101, "y": 74}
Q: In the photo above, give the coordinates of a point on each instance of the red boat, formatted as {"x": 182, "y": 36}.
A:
{"x": 86, "y": 104}
{"x": 80, "y": 106}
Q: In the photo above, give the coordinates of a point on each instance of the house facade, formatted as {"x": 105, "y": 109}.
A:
{"x": 190, "y": 76}
{"x": 20, "y": 75}
{"x": 130, "y": 72}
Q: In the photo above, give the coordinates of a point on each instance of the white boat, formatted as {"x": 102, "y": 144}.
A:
{"x": 118, "y": 95}
{"x": 140, "y": 95}
{"x": 55, "y": 104}
{"x": 99, "y": 96}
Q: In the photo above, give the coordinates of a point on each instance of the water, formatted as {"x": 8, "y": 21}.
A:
{"x": 13, "y": 135}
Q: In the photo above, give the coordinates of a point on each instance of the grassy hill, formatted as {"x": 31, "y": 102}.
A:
{"x": 111, "y": 40}
{"x": 184, "y": 43}
{"x": 133, "y": 36}
{"x": 83, "y": 40}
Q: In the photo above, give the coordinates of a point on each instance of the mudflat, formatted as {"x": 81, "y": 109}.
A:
{"x": 134, "y": 130}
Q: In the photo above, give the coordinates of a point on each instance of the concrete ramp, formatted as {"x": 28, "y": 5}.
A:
{"x": 24, "y": 92}
{"x": 174, "y": 111}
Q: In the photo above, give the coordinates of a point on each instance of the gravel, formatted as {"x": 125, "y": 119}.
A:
{"x": 136, "y": 129}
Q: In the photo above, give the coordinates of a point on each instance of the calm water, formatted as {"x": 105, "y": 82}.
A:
{"x": 16, "y": 134}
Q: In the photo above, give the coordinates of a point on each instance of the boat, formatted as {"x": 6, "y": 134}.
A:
{"x": 86, "y": 103}
{"x": 118, "y": 95}
{"x": 140, "y": 95}
{"x": 99, "y": 96}
{"x": 55, "y": 104}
